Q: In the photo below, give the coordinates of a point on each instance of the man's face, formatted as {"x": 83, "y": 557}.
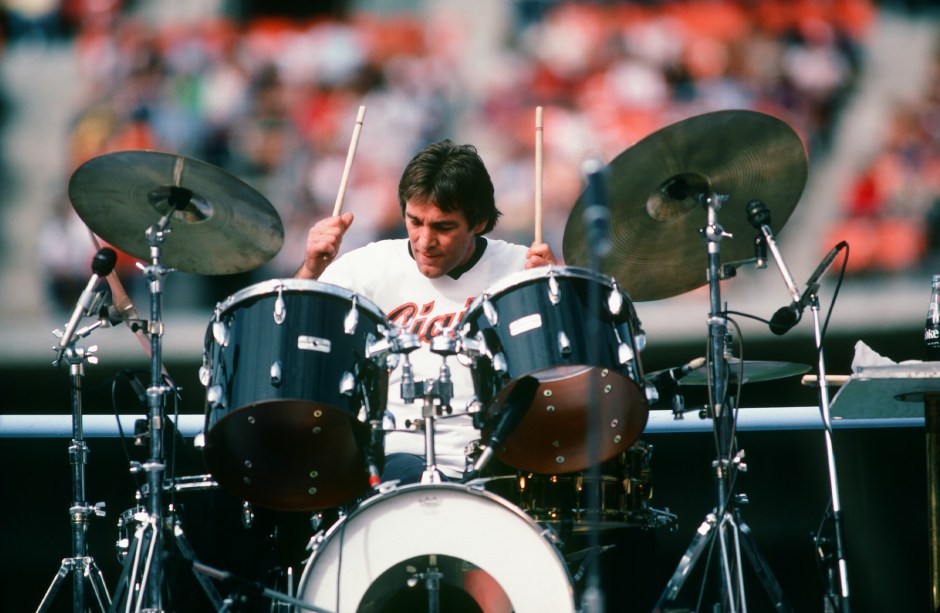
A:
{"x": 440, "y": 241}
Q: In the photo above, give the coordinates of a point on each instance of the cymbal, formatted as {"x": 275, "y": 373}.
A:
{"x": 755, "y": 371}
{"x": 654, "y": 194}
{"x": 218, "y": 224}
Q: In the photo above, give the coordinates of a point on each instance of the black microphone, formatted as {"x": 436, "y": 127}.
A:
{"x": 787, "y": 317}
{"x": 597, "y": 212}
{"x": 672, "y": 376}
{"x": 101, "y": 265}
{"x": 515, "y": 407}
{"x": 138, "y": 387}
{"x": 759, "y": 216}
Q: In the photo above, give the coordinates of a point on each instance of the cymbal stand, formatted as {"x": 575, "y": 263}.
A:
{"x": 839, "y": 599}
{"x": 724, "y": 522}
{"x": 149, "y": 584}
{"x": 81, "y": 565}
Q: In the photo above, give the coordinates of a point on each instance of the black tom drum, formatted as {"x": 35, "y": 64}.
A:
{"x": 538, "y": 323}
{"x": 291, "y": 385}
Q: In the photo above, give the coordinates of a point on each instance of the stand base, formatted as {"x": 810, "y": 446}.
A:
{"x": 90, "y": 572}
{"x": 733, "y": 598}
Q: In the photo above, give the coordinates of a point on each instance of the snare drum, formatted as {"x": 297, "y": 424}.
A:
{"x": 623, "y": 489}
{"x": 290, "y": 388}
{"x": 537, "y": 323}
{"x": 379, "y": 557}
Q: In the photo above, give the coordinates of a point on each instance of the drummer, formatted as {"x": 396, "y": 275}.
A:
{"x": 424, "y": 284}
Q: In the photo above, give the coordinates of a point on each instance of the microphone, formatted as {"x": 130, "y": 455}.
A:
{"x": 787, "y": 317}
{"x": 101, "y": 265}
{"x": 138, "y": 387}
{"x": 597, "y": 212}
{"x": 516, "y": 405}
{"x": 670, "y": 377}
{"x": 759, "y": 216}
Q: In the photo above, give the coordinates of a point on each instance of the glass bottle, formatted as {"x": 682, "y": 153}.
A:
{"x": 932, "y": 326}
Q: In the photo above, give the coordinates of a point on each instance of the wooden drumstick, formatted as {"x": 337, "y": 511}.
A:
{"x": 538, "y": 174}
{"x": 349, "y": 159}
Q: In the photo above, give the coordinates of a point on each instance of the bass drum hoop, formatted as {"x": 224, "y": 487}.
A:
{"x": 441, "y": 519}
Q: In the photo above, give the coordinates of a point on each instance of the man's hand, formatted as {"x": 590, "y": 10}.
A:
{"x": 539, "y": 254}
{"x": 323, "y": 243}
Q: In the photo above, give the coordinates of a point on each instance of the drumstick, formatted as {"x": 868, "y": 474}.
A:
{"x": 538, "y": 174}
{"x": 349, "y": 159}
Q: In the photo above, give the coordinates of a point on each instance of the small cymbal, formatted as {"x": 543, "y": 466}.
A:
{"x": 755, "y": 371}
{"x": 656, "y": 211}
{"x": 218, "y": 224}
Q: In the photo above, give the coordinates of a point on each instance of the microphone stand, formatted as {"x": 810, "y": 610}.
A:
{"x": 842, "y": 596}
{"x": 724, "y": 522}
{"x": 81, "y": 565}
{"x": 597, "y": 223}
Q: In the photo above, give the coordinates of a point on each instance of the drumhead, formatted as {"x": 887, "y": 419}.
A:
{"x": 400, "y": 533}
{"x": 271, "y": 286}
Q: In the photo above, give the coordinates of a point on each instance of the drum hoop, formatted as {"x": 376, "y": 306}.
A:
{"x": 518, "y": 278}
{"x": 475, "y": 490}
{"x": 271, "y": 286}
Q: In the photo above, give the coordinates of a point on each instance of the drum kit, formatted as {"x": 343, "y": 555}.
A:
{"x": 296, "y": 375}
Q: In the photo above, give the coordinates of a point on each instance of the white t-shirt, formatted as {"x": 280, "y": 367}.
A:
{"x": 385, "y": 273}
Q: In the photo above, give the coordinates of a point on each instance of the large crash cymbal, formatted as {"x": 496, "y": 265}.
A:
{"x": 218, "y": 224}
{"x": 656, "y": 213}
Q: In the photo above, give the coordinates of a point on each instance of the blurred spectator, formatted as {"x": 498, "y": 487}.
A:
{"x": 273, "y": 100}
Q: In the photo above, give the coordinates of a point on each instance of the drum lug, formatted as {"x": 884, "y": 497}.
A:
{"x": 347, "y": 384}
{"x": 280, "y": 309}
{"x": 554, "y": 291}
{"x": 489, "y": 311}
{"x": 615, "y": 301}
{"x": 352, "y": 318}
{"x": 214, "y": 396}
{"x": 564, "y": 343}
{"x": 624, "y": 353}
{"x": 220, "y": 333}
{"x": 276, "y": 373}
{"x": 500, "y": 364}
{"x": 204, "y": 373}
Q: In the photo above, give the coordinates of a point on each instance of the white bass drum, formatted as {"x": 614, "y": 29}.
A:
{"x": 376, "y": 558}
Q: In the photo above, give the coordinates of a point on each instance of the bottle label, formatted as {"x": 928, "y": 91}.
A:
{"x": 932, "y": 341}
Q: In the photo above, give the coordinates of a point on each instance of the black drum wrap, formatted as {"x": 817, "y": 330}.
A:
{"x": 290, "y": 393}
